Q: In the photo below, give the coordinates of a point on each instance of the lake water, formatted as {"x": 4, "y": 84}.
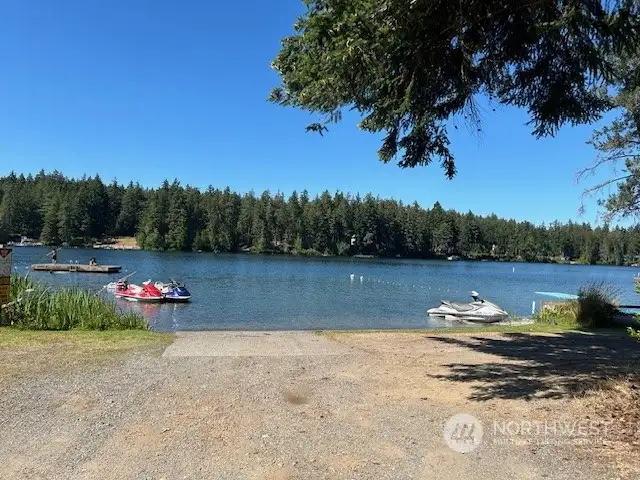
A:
{"x": 284, "y": 292}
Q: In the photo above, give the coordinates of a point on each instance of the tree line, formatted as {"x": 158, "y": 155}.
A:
{"x": 66, "y": 211}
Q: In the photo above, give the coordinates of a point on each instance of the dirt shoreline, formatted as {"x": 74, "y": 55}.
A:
{"x": 289, "y": 405}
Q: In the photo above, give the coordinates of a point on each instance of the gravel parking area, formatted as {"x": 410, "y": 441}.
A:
{"x": 287, "y": 405}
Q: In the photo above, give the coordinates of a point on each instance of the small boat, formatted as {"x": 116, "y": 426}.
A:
{"x": 173, "y": 291}
{"x": 479, "y": 311}
{"x": 147, "y": 292}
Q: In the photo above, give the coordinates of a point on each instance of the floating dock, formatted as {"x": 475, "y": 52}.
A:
{"x": 74, "y": 267}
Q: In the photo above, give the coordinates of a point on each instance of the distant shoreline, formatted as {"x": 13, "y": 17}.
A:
{"x": 311, "y": 253}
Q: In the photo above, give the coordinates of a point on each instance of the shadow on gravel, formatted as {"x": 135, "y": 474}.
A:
{"x": 542, "y": 366}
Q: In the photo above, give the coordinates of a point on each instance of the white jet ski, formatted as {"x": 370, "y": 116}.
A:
{"x": 480, "y": 311}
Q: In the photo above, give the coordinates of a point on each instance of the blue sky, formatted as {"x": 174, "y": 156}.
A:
{"x": 146, "y": 90}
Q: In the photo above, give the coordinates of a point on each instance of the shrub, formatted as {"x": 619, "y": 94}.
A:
{"x": 596, "y": 305}
{"x": 41, "y": 308}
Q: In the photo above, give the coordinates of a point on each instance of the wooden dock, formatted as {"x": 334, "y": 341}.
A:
{"x": 74, "y": 267}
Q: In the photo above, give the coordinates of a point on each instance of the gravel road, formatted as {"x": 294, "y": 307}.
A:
{"x": 306, "y": 406}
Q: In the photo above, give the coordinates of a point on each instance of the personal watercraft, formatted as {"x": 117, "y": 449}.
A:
{"x": 480, "y": 311}
{"x": 173, "y": 291}
{"x": 147, "y": 293}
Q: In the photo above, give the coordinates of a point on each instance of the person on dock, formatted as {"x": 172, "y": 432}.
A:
{"x": 92, "y": 262}
{"x": 54, "y": 255}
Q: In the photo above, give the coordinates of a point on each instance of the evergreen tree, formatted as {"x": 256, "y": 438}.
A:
{"x": 131, "y": 206}
{"x": 49, "y": 234}
{"x": 245, "y": 220}
{"x": 67, "y": 227}
{"x": 444, "y": 238}
{"x": 409, "y": 68}
{"x": 151, "y": 232}
{"x": 339, "y": 224}
{"x": 321, "y": 223}
{"x": 303, "y": 224}
{"x": 293, "y": 222}
{"x": 115, "y": 193}
{"x": 469, "y": 241}
{"x": 591, "y": 249}
{"x": 214, "y": 220}
{"x": 263, "y": 223}
{"x": 10, "y": 208}
{"x": 195, "y": 218}
{"x": 279, "y": 219}
{"x": 177, "y": 237}
{"x": 28, "y": 211}
{"x": 95, "y": 202}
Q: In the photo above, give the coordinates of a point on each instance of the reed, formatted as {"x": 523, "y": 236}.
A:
{"x": 39, "y": 307}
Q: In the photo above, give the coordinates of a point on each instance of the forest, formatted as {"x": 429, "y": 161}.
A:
{"x": 59, "y": 210}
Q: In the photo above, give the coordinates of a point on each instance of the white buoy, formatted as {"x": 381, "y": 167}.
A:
{"x": 352, "y": 277}
{"x": 514, "y": 270}
{"x": 361, "y": 278}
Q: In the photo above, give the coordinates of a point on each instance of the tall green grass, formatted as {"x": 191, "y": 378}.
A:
{"x": 595, "y": 307}
{"x": 39, "y": 307}
{"x": 20, "y": 286}
{"x": 562, "y": 314}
